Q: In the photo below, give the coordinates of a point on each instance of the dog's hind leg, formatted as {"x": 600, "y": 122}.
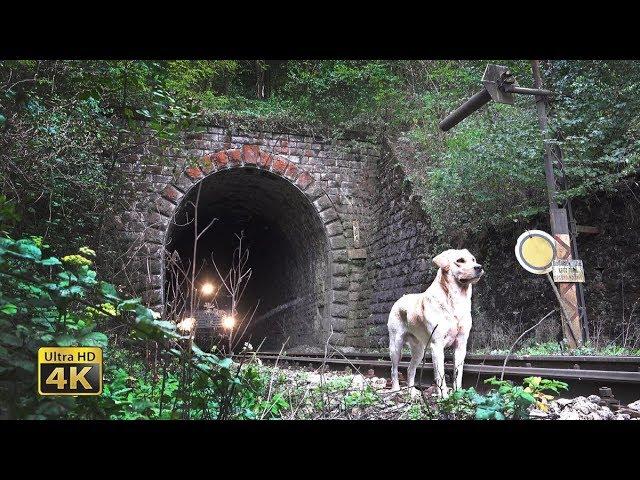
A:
{"x": 417, "y": 353}
{"x": 396, "y": 342}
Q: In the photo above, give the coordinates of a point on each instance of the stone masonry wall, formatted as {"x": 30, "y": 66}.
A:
{"x": 398, "y": 260}
{"x": 336, "y": 176}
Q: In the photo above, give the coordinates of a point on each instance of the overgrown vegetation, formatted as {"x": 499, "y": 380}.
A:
{"x": 508, "y": 401}
{"x": 561, "y": 348}
{"x": 64, "y": 123}
{"x": 335, "y": 395}
{"x": 47, "y": 301}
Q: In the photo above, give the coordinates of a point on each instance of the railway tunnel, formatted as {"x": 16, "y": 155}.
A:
{"x": 287, "y": 252}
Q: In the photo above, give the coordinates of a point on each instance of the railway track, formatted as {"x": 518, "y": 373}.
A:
{"x": 585, "y": 375}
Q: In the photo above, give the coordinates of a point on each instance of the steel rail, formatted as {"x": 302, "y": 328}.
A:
{"x": 557, "y": 373}
{"x": 629, "y": 363}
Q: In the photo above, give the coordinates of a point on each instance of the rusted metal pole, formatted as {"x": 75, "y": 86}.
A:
{"x": 526, "y": 91}
{"x": 541, "y": 107}
{"x": 572, "y": 329}
{"x": 467, "y": 108}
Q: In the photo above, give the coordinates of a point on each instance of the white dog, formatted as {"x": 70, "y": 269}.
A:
{"x": 440, "y": 317}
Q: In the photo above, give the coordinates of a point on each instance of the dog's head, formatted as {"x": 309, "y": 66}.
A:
{"x": 461, "y": 265}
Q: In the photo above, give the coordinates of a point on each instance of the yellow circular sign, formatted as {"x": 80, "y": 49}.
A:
{"x": 535, "y": 250}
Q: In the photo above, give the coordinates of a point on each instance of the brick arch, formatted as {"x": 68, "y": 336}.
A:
{"x": 249, "y": 156}
{"x": 253, "y": 157}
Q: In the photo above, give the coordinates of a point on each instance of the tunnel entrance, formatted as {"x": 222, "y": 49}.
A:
{"x": 287, "y": 253}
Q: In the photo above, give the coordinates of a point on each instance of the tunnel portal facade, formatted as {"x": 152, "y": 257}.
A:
{"x": 333, "y": 238}
{"x": 289, "y": 229}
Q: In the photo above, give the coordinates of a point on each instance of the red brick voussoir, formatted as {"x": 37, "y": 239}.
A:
{"x": 304, "y": 180}
{"x": 171, "y": 193}
{"x": 235, "y": 157}
{"x": 251, "y": 154}
{"x": 280, "y": 164}
{"x": 266, "y": 159}
{"x": 194, "y": 173}
{"x": 207, "y": 164}
{"x": 292, "y": 171}
{"x": 221, "y": 159}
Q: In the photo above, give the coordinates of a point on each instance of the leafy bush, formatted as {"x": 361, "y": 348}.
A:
{"x": 459, "y": 405}
{"x": 537, "y": 387}
{"x": 233, "y": 391}
{"x": 66, "y": 126}
{"x": 39, "y": 306}
{"x": 45, "y": 301}
{"x": 361, "y": 398}
{"x": 507, "y": 402}
{"x": 595, "y": 116}
{"x": 517, "y": 399}
{"x": 127, "y": 396}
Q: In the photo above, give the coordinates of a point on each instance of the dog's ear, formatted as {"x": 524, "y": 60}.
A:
{"x": 442, "y": 260}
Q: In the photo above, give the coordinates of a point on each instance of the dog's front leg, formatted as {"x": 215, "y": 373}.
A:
{"x": 459, "y": 354}
{"x": 437, "y": 357}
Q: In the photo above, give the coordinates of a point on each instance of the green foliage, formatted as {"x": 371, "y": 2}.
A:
{"x": 8, "y": 214}
{"x": 505, "y": 402}
{"x": 460, "y": 404}
{"x": 491, "y": 173}
{"x": 561, "y": 348}
{"x": 361, "y": 398}
{"x": 46, "y": 302}
{"x": 597, "y": 123}
{"x": 338, "y": 91}
{"x": 418, "y": 411}
{"x": 76, "y": 261}
{"x": 537, "y": 387}
{"x": 41, "y": 304}
{"x": 490, "y": 165}
{"x": 509, "y": 399}
{"x": 228, "y": 390}
{"x": 67, "y": 125}
{"x": 517, "y": 399}
{"x": 336, "y": 384}
{"x": 129, "y": 397}
{"x": 329, "y": 91}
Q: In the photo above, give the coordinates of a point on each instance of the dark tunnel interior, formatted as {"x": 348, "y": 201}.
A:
{"x": 287, "y": 253}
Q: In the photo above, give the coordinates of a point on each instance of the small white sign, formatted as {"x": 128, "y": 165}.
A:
{"x": 568, "y": 271}
{"x": 356, "y": 233}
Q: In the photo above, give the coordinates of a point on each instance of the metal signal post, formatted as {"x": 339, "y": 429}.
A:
{"x": 500, "y": 85}
{"x": 572, "y": 294}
